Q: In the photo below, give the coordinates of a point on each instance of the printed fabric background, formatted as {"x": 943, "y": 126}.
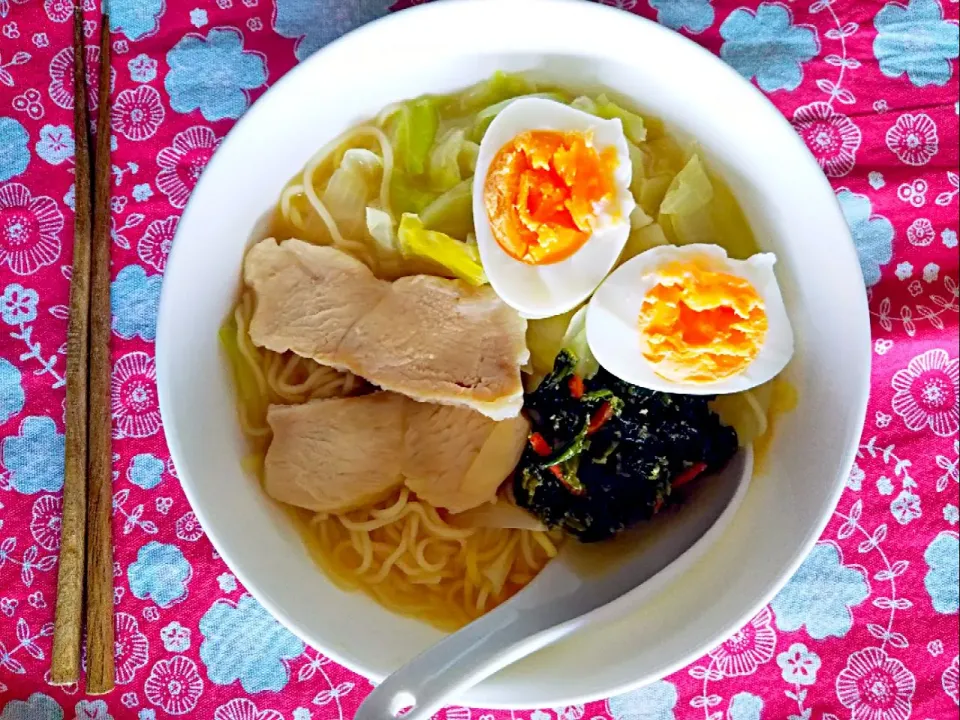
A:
{"x": 868, "y": 628}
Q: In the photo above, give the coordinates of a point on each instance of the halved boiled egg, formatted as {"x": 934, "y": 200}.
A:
{"x": 551, "y": 204}
{"x": 691, "y": 320}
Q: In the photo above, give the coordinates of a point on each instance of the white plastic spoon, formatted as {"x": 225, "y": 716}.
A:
{"x": 564, "y": 598}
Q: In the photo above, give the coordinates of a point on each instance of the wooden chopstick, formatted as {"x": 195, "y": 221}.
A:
{"x": 100, "y": 663}
{"x": 65, "y": 665}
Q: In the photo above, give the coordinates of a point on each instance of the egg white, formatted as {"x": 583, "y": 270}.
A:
{"x": 613, "y": 330}
{"x": 539, "y": 291}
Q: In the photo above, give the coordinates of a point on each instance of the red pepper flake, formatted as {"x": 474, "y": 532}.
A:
{"x": 540, "y": 446}
{"x": 576, "y": 386}
{"x": 603, "y": 413}
{"x": 689, "y": 474}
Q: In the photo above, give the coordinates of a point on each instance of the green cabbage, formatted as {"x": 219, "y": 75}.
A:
{"x": 642, "y": 239}
{"x": 380, "y": 227}
{"x": 406, "y": 195}
{"x": 499, "y": 87}
{"x": 545, "y": 339}
{"x": 486, "y": 116}
{"x": 443, "y": 167}
{"x": 415, "y": 129}
{"x": 575, "y": 340}
{"x": 459, "y": 258}
{"x": 452, "y": 212}
{"x": 633, "y": 125}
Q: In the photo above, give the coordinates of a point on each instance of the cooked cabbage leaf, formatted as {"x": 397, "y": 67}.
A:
{"x": 452, "y": 212}
{"x": 415, "y": 129}
{"x": 459, "y": 258}
{"x": 633, "y": 125}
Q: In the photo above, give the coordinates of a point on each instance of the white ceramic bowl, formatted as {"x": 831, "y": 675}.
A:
{"x": 443, "y": 47}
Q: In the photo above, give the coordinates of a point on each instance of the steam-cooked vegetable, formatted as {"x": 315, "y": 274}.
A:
{"x": 459, "y": 258}
{"x": 633, "y": 125}
{"x": 614, "y": 451}
{"x": 452, "y": 212}
{"x": 414, "y": 133}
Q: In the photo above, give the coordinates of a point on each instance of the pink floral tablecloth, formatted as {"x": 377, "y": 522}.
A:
{"x": 867, "y": 629}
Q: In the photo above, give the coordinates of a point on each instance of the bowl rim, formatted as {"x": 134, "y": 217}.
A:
{"x": 862, "y": 355}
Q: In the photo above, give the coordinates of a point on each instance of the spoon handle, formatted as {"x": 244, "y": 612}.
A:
{"x": 459, "y": 662}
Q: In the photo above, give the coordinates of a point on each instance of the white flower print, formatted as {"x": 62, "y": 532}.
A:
{"x": 45, "y": 521}
{"x": 174, "y": 685}
{"x": 131, "y": 648}
{"x": 181, "y": 163}
{"x": 61, "y": 75}
{"x": 931, "y": 271}
{"x": 831, "y": 136}
{"x": 855, "y": 479}
{"x": 29, "y": 229}
{"x": 921, "y": 233}
{"x": 137, "y": 112}
{"x": 798, "y": 665}
{"x": 18, "y": 305}
{"x": 906, "y": 507}
{"x": 154, "y": 247}
{"x": 133, "y": 391}
{"x": 748, "y": 648}
{"x": 914, "y": 139}
{"x": 244, "y": 709}
{"x": 927, "y": 393}
{"x": 188, "y": 528}
{"x": 876, "y": 687}
{"x": 914, "y": 192}
{"x": 950, "y": 680}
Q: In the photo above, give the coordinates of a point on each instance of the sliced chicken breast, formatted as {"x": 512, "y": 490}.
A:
{"x": 339, "y": 454}
{"x": 336, "y": 455}
{"x": 432, "y": 339}
{"x": 308, "y": 297}
{"x": 456, "y": 458}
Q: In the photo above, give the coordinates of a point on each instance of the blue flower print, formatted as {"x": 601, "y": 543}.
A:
{"x": 147, "y": 714}
{"x": 315, "y": 24}
{"x": 160, "y": 573}
{"x": 227, "y": 582}
{"x": 943, "y": 576}
{"x": 11, "y": 391}
{"x": 768, "y": 46}
{"x": 135, "y": 18}
{"x": 143, "y": 68}
{"x": 213, "y": 74}
{"x": 693, "y": 15}
{"x": 820, "y": 595}
{"x": 651, "y": 702}
{"x": 18, "y": 305}
{"x": 36, "y": 707}
{"x": 134, "y": 299}
{"x": 226, "y": 627}
{"x": 142, "y": 192}
{"x": 146, "y": 471}
{"x": 14, "y": 154}
{"x": 34, "y": 458}
{"x": 55, "y": 144}
{"x": 872, "y": 234}
{"x": 916, "y": 40}
{"x": 745, "y": 706}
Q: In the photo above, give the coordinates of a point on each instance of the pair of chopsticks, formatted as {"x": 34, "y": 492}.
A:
{"x": 86, "y": 557}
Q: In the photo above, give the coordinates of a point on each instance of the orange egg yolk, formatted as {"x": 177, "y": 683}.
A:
{"x": 542, "y": 193}
{"x": 697, "y": 325}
